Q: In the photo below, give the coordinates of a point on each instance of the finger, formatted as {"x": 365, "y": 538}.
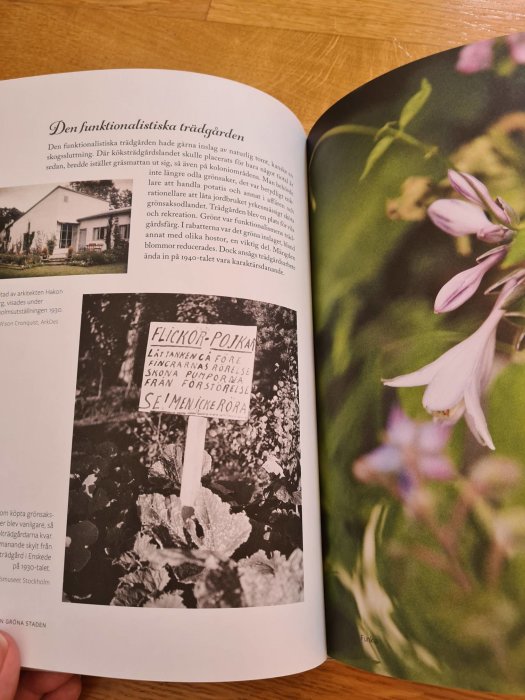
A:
{"x": 35, "y": 684}
{"x": 69, "y": 691}
{"x": 9, "y": 667}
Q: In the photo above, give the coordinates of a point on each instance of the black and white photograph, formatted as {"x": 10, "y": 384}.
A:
{"x": 66, "y": 228}
{"x": 185, "y": 484}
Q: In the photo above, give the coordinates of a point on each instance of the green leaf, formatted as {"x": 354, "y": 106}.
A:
{"x": 341, "y": 343}
{"x": 415, "y": 104}
{"x": 518, "y": 322}
{"x": 385, "y": 130}
{"x": 506, "y": 414}
{"x": 516, "y": 253}
{"x": 351, "y": 234}
{"x": 344, "y": 129}
{"x": 375, "y": 154}
{"x": 514, "y": 305}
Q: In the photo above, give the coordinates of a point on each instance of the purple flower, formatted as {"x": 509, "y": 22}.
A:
{"x": 476, "y": 57}
{"x": 459, "y": 218}
{"x": 475, "y": 191}
{"x": 411, "y": 454}
{"x": 456, "y": 380}
{"x": 516, "y": 44}
{"x": 463, "y": 285}
{"x": 480, "y": 55}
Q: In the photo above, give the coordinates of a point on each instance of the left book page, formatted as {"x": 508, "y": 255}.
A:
{"x": 158, "y": 482}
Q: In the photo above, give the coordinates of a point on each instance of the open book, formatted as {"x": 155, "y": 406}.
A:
{"x": 160, "y": 514}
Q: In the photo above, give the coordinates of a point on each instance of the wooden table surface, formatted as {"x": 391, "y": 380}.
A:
{"x": 307, "y": 53}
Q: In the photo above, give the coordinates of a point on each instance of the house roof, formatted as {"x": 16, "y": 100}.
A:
{"x": 61, "y": 187}
{"x": 107, "y": 212}
{"x": 58, "y": 187}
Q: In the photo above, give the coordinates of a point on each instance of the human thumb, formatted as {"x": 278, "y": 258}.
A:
{"x": 9, "y": 667}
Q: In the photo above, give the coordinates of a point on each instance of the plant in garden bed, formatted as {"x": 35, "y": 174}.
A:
{"x": 456, "y": 380}
{"x": 127, "y": 465}
{"x": 109, "y": 490}
{"x": 192, "y": 563}
{"x": 412, "y": 464}
{"x": 104, "y": 485}
{"x": 98, "y": 257}
{"x": 17, "y": 259}
{"x": 425, "y": 288}
{"x": 51, "y": 244}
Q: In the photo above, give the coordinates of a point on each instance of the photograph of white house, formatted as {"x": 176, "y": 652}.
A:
{"x": 78, "y": 224}
{"x": 93, "y": 230}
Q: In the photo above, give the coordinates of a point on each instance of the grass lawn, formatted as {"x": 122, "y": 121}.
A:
{"x": 59, "y": 270}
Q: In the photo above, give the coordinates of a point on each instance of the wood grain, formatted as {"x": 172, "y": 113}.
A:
{"x": 184, "y": 9}
{"x": 307, "y": 53}
{"x": 440, "y": 24}
{"x": 331, "y": 680}
{"x": 320, "y": 68}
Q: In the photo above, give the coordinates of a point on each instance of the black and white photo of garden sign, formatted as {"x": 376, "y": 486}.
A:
{"x": 201, "y": 371}
{"x": 185, "y": 474}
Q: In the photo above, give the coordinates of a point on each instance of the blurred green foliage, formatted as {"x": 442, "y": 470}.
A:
{"x": 375, "y": 280}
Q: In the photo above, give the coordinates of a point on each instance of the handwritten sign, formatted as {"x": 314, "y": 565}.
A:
{"x": 198, "y": 369}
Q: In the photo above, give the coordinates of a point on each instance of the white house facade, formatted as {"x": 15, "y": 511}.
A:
{"x": 70, "y": 219}
{"x": 92, "y": 230}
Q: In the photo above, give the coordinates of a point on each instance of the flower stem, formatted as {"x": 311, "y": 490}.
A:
{"x": 456, "y": 570}
{"x": 429, "y": 150}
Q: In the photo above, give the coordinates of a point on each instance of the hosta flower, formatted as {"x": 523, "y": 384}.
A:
{"x": 476, "y": 57}
{"x": 459, "y": 218}
{"x": 411, "y": 454}
{"x": 516, "y": 44}
{"x": 457, "y": 379}
{"x": 463, "y": 285}
{"x": 480, "y": 55}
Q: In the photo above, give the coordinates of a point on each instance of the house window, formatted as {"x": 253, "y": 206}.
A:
{"x": 66, "y": 235}
{"x": 99, "y": 233}
{"x": 123, "y": 229}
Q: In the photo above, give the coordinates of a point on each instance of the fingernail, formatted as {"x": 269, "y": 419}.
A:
{"x": 4, "y": 646}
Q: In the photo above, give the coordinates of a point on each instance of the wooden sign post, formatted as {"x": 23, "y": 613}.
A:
{"x": 192, "y": 464}
{"x": 201, "y": 371}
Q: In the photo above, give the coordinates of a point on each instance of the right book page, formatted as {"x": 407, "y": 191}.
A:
{"x": 417, "y": 185}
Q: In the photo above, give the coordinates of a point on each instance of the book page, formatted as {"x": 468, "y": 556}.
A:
{"x": 417, "y": 183}
{"x": 159, "y": 514}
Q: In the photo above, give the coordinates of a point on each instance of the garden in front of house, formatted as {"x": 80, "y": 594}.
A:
{"x": 59, "y": 270}
{"x": 17, "y": 265}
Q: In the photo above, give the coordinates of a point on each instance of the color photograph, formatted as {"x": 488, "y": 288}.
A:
{"x": 70, "y": 228}
{"x": 419, "y": 279}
